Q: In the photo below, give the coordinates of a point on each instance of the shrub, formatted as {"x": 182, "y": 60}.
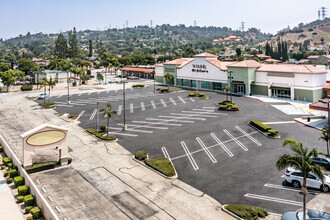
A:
{"x": 1, "y": 149}
{"x": 28, "y": 200}
{"x": 20, "y": 199}
{"x": 74, "y": 83}
{"x": 10, "y": 165}
{"x": 222, "y": 107}
{"x": 3, "y": 167}
{"x": 6, "y": 174}
{"x": 9, "y": 180}
{"x": 29, "y": 218}
{"x": 165, "y": 90}
{"x": 225, "y": 102}
{"x": 103, "y": 128}
{"x": 45, "y": 105}
{"x": 141, "y": 155}
{"x": 73, "y": 116}
{"x": 247, "y": 212}
{"x": 26, "y": 87}
{"x": 201, "y": 94}
{"x": 192, "y": 94}
{"x": 6, "y": 160}
{"x": 233, "y": 108}
{"x": 69, "y": 160}
{"x": 18, "y": 180}
{"x": 28, "y": 209}
{"x": 23, "y": 190}
{"x": 162, "y": 165}
{"x": 272, "y": 132}
{"x": 100, "y": 134}
{"x": 159, "y": 89}
{"x": 260, "y": 125}
{"x": 37, "y": 167}
{"x": 36, "y": 212}
{"x": 13, "y": 173}
{"x": 138, "y": 85}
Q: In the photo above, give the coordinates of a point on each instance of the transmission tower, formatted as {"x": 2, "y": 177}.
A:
{"x": 318, "y": 13}
{"x": 195, "y": 22}
{"x": 323, "y": 12}
{"x": 150, "y": 23}
{"x": 242, "y": 26}
{"x": 126, "y": 23}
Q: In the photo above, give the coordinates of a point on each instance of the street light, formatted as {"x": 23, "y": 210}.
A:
{"x": 124, "y": 127}
{"x": 231, "y": 87}
{"x": 154, "y": 84}
{"x": 97, "y": 117}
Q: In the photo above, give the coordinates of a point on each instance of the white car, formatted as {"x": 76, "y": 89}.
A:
{"x": 43, "y": 96}
{"x": 295, "y": 177}
{"x": 112, "y": 80}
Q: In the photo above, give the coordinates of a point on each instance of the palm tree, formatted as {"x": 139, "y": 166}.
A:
{"x": 107, "y": 112}
{"x": 325, "y": 136}
{"x": 43, "y": 84}
{"x": 50, "y": 83}
{"x": 226, "y": 90}
{"x": 300, "y": 159}
{"x": 168, "y": 77}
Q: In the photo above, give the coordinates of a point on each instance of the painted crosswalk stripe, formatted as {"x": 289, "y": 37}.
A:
{"x": 222, "y": 145}
{"x": 144, "y": 126}
{"x": 174, "y": 103}
{"x": 235, "y": 139}
{"x": 89, "y": 93}
{"x": 81, "y": 113}
{"x": 191, "y": 159}
{"x": 184, "y": 117}
{"x": 273, "y": 199}
{"x": 193, "y": 100}
{"x": 181, "y": 99}
{"x": 166, "y": 154}
{"x": 164, "y": 104}
{"x": 206, "y": 150}
{"x": 249, "y": 136}
{"x": 156, "y": 123}
{"x": 165, "y": 120}
{"x": 131, "y": 108}
{"x": 153, "y": 104}
{"x": 142, "y": 106}
{"x": 193, "y": 115}
{"x": 93, "y": 114}
{"x": 119, "y": 110}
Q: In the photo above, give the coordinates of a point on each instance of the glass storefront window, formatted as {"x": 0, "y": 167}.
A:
{"x": 216, "y": 86}
{"x": 281, "y": 92}
{"x": 193, "y": 83}
{"x": 186, "y": 82}
{"x": 179, "y": 82}
{"x": 205, "y": 85}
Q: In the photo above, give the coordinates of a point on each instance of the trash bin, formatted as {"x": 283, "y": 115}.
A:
{"x": 308, "y": 119}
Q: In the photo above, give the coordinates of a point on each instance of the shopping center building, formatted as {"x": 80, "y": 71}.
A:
{"x": 248, "y": 77}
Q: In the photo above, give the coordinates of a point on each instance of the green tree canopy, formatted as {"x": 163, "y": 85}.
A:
{"x": 61, "y": 46}
{"x": 7, "y": 78}
{"x": 26, "y": 65}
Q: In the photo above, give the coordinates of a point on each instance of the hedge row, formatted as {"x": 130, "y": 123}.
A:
{"x": 264, "y": 128}
{"x": 228, "y": 107}
{"x": 194, "y": 94}
{"x": 26, "y": 87}
{"x": 164, "y": 90}
{"x": 37, "y": 167}
{"x": 247, "y": 212}
{"x": 45, "y": 105}
{"x": 138, "y": 85}
{"x": 141, "y": 155}
{"x": 100, "y": 134}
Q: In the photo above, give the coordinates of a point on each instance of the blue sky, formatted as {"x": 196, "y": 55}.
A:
{"x": 51, "y": 16}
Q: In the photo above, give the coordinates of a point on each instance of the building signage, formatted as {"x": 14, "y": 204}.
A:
{"x": 199, "y": 68}
{"x": 171, "y": 70}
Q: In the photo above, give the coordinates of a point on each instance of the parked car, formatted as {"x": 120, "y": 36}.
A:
{"x": 133, "y": 77}
{"x": 295, "y": 177}
{"x": 112, "y": 80}
{"x": 43, "y": 96}
{"x": 122, "y": 76}
{"x": 325, "y": 162}
{"x": 310, "y": 215}
{"x": 92, "y": 76}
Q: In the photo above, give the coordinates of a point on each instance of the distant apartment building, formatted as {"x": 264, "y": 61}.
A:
{"x": 248, "y": 77}
{"x": 319, "y": 59}
{"x": 226, "y": 54}
{"x": 226, "y": 40}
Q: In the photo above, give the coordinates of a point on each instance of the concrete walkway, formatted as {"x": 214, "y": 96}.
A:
{"x": 8, "y": 208}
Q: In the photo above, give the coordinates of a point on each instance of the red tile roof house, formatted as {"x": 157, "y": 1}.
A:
{"x": 248, "y": 77}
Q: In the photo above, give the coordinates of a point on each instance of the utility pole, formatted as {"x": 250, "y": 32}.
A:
{"x": 67, "y": 75}
{"x": 97, "y": 117}
{"x": 124, "y": 127}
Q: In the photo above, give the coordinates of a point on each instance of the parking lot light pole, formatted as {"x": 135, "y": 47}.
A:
{"x": 328, "y": 105}
{"x": 154, "y": 84}
{"x": 67, "y": 75}
{"x": 124, "y": 127}
{"x": 231, "y": 87}
{"x": 97, "y": 117}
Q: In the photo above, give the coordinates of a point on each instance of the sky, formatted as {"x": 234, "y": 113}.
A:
{"x": 52, "y": 16}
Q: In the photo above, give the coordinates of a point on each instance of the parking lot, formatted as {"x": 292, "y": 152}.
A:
{"x": 216, "y": 152}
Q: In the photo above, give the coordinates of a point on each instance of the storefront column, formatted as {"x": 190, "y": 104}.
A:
{"x": 269, "y": 89}
{"x": 292, "y": 91}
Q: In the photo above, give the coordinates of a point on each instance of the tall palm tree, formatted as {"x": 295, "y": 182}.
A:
{"x": 325, "y": 137}
{"x": 50, "y": 83}
{"x": 107, "y": 112}
{"x": 300, "y": 159}
{"x": 226, "y": 90}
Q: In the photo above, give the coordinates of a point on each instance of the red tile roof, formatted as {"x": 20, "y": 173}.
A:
{"x": 138, "y": 69}
{"x": 220, "y": 64}
{"x": 209, "y": 55}
{"x": 180, "y": 62}
{"x": 246, "y": 64}
{"x": 290, "y": 68}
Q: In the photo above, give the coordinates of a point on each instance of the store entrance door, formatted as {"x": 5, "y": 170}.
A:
{"x": 239, "y": 88}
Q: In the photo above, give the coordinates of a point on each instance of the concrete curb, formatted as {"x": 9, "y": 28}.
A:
{"x": 229, "y": 212}
{"x": 278, "y": 137}
{"x": 307, "y": 124}
{"x": 172, "y": 177}
{"x": 99, "y": 139}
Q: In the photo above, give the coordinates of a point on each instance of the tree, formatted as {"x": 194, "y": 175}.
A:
{"x": 300, "y": 159}
{"x": 7, "y": 78}
{"x": 226, "y": 90}
{"x": 50, "y": 83}
{"x": 126, "y": 61}
{"x": 3, "y": 67}
{"x": 90, "y": 43}
{"x": 325, "y": 137}
{"x": 99, "y": 76}
{"x": 168, "y": 78}
{"x": 74, "y": 50}
{"x": 61, "y": 47}
{"x": 26, "y": 65}
{"x": 238, "y": 51}
{"x": 107, "y": 112}
{"x": 322, "y": 40}
{"x": 84, "y": 77}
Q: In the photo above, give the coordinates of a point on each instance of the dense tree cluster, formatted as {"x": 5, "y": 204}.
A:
{"x": 280, "y": 52}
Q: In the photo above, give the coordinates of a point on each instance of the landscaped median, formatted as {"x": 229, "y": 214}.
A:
{"x": 101, "y": 134}
{"x": 162, "y": 166}
{"x": 227, "y": 105}
{"x": 245, "y": 211}
{"x": 138, "y": 85}
{"x": 264, "y": 129}
{"x": 46, "y": 105}
{"x": 199, "y": 94}
{"x": 163, "y": 90}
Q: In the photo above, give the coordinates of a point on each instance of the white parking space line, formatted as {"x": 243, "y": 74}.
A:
{"x": 79, "y": 94}
{"x": 156, "y": 123}
{"x": 81, "y": 113}
{"x": 273, "y": 199}
{"x": 181, "y": 99}
{"x": 108, "y": 91}
{"x": 144, "y": 126}
{"x": 209, "y": 107}
{"x": 98, "y": 93}
{"x": 203, "y": 110}
{"x": 153, "y": 104}
{"x": 131, "y": 108}
{"x": 192, "y": 99}
{"x": 235, "y": 139}
{"x": 166, "y": 154}
{"x": 193, "y": 115}
{"x": 222, "y": 145}
{"x": 206, "y": 150}
{"x": 180, "y": 117}
{"x": 116, "y": 90}
{"x": 249, "y": 136}
{"x": 60, "y": 105}
{"x": 164, "y": 104}
{"x": 203, "y": 113}
{"x": 165, "y": 120}
{"x": 132, "y": 88}
{"x": 124, "y": 134}
{"x": 142, "y": 106}
{"x": 288, "y": 188}
{"x": 93, "y": 114}
{"x": 59, "y": 96}
{"x": 191, "y": 159}
{"x": 174, "y": 103}
{"x": 119, "y": 110}
{"x": 129, "y": 129}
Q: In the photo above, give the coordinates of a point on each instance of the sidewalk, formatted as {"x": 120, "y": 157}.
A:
{"x": 8, "y": 208}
